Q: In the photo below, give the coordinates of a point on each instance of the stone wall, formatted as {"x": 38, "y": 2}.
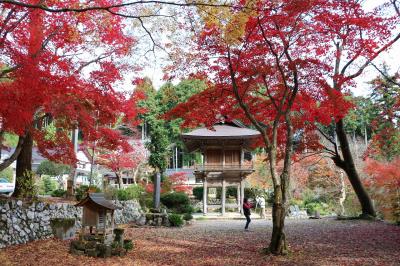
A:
{"x": 21, "y": 222}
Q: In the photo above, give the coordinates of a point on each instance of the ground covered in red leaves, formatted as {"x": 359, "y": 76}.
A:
{"x": 312, "y": 242}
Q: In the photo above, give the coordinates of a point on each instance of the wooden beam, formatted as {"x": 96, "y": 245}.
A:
{"x": 238, "y": 198}
{"x": 241, "y": 195}
{"x": 223, "y": 196}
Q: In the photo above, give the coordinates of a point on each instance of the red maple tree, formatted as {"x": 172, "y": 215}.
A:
{"x": 63, "y": 70}
{"x": 122, "y": 161}
{"x": 272, "y": 68}
{"x": 385, "y": 186}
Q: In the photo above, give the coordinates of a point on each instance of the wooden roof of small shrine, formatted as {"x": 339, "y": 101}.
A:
{"x": 232, "y": 133}
{"x": 97, "y": 199}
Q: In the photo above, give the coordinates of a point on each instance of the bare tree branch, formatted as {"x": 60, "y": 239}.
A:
{"x": 106, "y": 8}
{"x": 385, "y": 75}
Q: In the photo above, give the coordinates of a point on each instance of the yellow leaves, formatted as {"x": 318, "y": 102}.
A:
{"x": 230, "y": 21}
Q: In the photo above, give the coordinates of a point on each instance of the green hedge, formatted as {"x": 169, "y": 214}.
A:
{"x": 129, "y": 193}
{"x": 175, "y": 220}
{"x": 58, "y": 193}
{"x": 177, "y": 201}
{"x": 187, "y": 216}
{"x": 198, "y": 193}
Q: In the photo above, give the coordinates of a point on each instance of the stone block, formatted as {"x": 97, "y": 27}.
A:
{"x": 103, "y": 250}
{"x": 30, "y": 215}
{"x": 77, "y": 244}
{"x": 91, "y": 244}
{"x": 74, "y": 251}
{"x": 141, "y": 220}
{"x": 91, "y": 252}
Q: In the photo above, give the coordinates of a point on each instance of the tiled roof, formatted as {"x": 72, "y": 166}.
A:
{"x": 221, "y": 132}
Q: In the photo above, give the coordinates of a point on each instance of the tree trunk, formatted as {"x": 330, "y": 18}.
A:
{"x": 342, "y": 194}
{"x": 24, "y": 165}
{"x": 135, "y": 174}
{"x": 278, "y": 244}
{"x": 119, "y": 178}
{"x": 347, "y": 164}
{"x": 7, "y": 162}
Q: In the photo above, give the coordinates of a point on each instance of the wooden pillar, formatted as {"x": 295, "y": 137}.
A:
{"x": 204, "y": 159}
{"x": 223, "y": 158}
{"x": 72, "y": 176}
{"x": 205, "y": 195}
{"x": 238, "y": 198}
{"x": 241, "y": 156}
{"x": 223, "y": 196}
{"x": 241, "y": 195}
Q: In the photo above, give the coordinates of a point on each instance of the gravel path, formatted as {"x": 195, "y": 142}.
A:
{"x": 224, "y": 242}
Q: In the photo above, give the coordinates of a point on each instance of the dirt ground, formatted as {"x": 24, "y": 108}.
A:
{"x": 211, "y": 242}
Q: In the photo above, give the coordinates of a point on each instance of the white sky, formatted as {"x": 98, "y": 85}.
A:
{"x": 391, "y": 58}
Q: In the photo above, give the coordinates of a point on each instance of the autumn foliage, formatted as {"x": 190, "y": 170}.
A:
{"x": 384, "y": 183}
{"x": 63, "y": 69}
{"x": 177, "y": 182}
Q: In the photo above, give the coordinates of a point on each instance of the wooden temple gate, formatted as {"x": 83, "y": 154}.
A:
{"x": 223, "y": 158}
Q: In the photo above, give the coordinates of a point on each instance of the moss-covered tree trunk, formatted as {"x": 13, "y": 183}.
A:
{"x": 24, "y": 166}
{"x": 278, "y": 245}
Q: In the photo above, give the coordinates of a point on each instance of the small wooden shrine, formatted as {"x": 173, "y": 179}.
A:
{"x": 98, "y": 216}
{"x": 226, "y": 158}
{"x": 102, "y": 239}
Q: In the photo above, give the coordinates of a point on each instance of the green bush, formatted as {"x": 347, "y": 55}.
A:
{"x": 198, "y": 193}
{"x": 185, "y": 209}
{"x": 297, "y": 202}
{"x": 47, "y": 185}
{"x": 187, "y": 216}
{"x": 81, "y": 191}
{"x": 8, "y": 174}
{"x": 322, "y": 208}
{"x": 129, "y": 193}
{"x": 231, "y": 192}
{"x": 352, "y": 206}
{"x": 146, "y": 201}
{"x": 250, "y": 193}
{"x": 128, "y": 244}
{"x": 175, "y": 220}
{"x": 177, "y": 201}
{"x": 58, "y": 193}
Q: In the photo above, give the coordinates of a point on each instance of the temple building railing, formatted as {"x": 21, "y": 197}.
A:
{"x": 221, "y": 167}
